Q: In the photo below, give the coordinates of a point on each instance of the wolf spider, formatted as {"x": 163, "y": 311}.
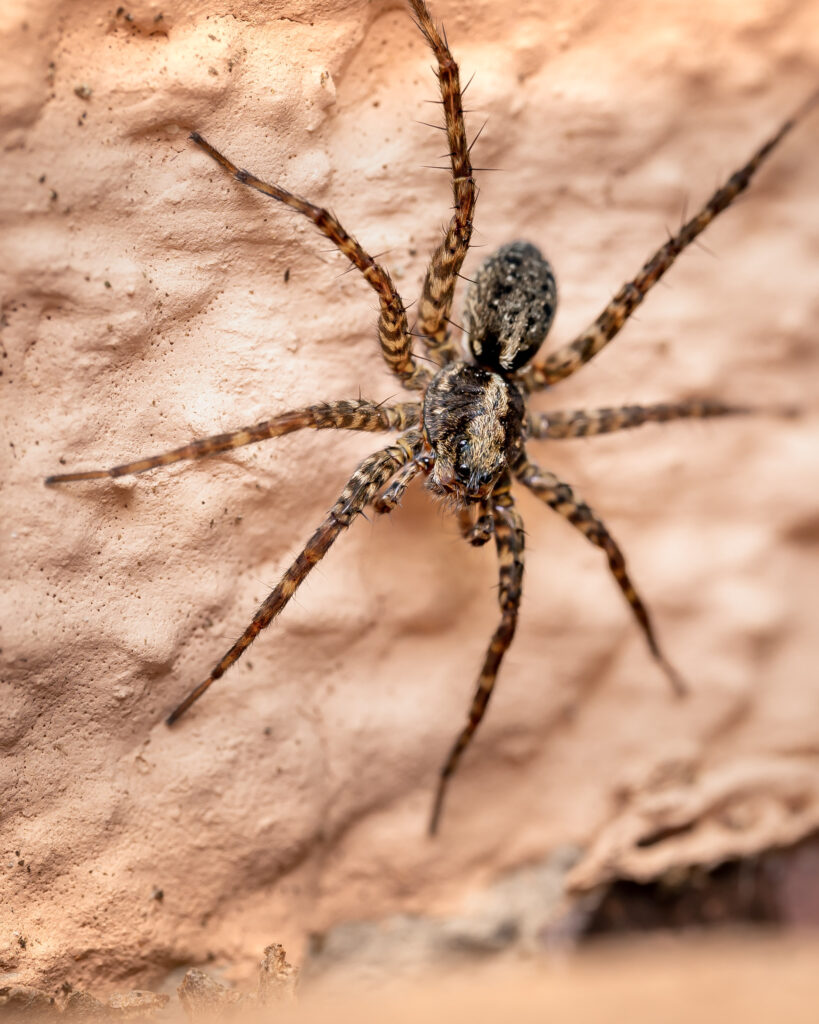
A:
{"x": 467, "y": 433}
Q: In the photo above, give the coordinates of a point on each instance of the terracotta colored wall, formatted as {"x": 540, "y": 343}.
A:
{"x": 144, "y": 303}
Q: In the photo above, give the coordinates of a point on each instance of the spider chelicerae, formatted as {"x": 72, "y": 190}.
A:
{"x": 467, "y": 432}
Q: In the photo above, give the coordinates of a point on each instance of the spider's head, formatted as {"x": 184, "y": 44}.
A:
{"x": 510, "y": 307}
{"x": 473, "y": 422}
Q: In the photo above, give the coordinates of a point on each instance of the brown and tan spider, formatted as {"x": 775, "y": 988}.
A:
{"x": 467, "y": 432}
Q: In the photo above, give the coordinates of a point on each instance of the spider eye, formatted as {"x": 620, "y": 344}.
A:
{"x": 462, "y": 468}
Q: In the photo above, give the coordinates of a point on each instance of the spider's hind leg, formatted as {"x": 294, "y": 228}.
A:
{"x": 509, "y": 540}
{"x": 561, "y": 497}
{"x": 439, "y": 284}
{"x": 570, "y": 357}
{"x": 393, "y": 329}
{"x": 364, "y": 484}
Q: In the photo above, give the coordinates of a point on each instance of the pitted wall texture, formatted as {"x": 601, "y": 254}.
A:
{"x": 147, "y": 299}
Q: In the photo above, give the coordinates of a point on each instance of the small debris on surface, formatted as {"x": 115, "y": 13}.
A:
{"x": 83, "y": 91}
{"x": 277, "y": 978}
{"x": 136, "y": 1004}
{"x": 20, "y": 1004}
{"x": 82, "y": 1006}
{"x": 204, "y": 999}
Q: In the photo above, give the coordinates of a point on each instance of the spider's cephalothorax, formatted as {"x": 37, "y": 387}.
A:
{"x": 467, "y": 435}
{"x": 473, "y": 422}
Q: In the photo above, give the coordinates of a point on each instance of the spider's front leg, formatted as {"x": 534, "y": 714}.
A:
{"x": 344, "y": 415}
{"x": 561, "y": 497}
{"x": 509, "y": 539}
{"x": 362, "y": 487}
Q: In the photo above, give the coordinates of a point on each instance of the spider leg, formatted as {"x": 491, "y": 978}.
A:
{"x": 344, "y": 415}
{"x": 363, "y": 485}
{"x": 561, "y": 497}
{"x": 588, "y": 422}
{"x": 477, "y": 523}
{"x": 509, "y": 539}
{"x": 439, "y": 284}
{"x": 393, "y": 329}
{"x": 570, "y": 357}
{"x": 390, "y": 498}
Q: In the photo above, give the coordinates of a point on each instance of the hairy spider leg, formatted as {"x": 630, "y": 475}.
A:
{"x": 441, "y": 277}
{"x": 570, "y": 357}
{"x": 509, "y": 541}
{"x": 393, "y": 329}
{"x": 588, "y": 422}
{"x": 391, "y": 497}
{"x": 343, "y": 415}
{"x": 364, "y": 484}
{"x": 476, "y": 523}
{"x": 561, "y": 497}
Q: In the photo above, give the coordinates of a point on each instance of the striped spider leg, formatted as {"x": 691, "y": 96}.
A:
{"x": 361, "y": 488}
{"x": 343, "y": 415}
{"x": 507, "y": 528}
{"x": 447, "y": 259}
{"x": 567, "y": 359}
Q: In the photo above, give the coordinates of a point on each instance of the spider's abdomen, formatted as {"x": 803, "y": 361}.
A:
{"x": 473, "y": 421}
{"x": 510, "y": 307}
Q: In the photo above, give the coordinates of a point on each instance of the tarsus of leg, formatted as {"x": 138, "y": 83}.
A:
{"x": 509, "y": 541}
{"x": 439, "y": 284}
{"x": 393, "y": 329}
{"x": 562, "y": 424}
{"x": 342, "y": 415}
{"x": 362, "y": 487}
{"x": 561, "y": 497}
{"x": 570, "y": 357}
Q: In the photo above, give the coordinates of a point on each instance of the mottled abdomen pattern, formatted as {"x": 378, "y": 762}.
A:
{"x": 510, "y": 305}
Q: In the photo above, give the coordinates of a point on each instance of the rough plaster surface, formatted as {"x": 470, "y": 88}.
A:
{"x": 145, "y": 302}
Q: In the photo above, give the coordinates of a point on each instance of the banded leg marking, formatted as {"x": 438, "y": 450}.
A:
{"x": 393, "y": 330}
{"x": 509, "y": 540}
{"x": 589, "y": 422}
{"x": 391, "y": 498}
{"x": 561, "y": 497}
{"x": 570, "y": 357}
{"x": 439, "y": 284}
{"x": 363, "y": 485}
{"x": 343, "y": 415}
{"x": 476, "y": 523}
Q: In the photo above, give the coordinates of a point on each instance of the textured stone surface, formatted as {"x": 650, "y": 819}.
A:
{"x": 144, "y": 302}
